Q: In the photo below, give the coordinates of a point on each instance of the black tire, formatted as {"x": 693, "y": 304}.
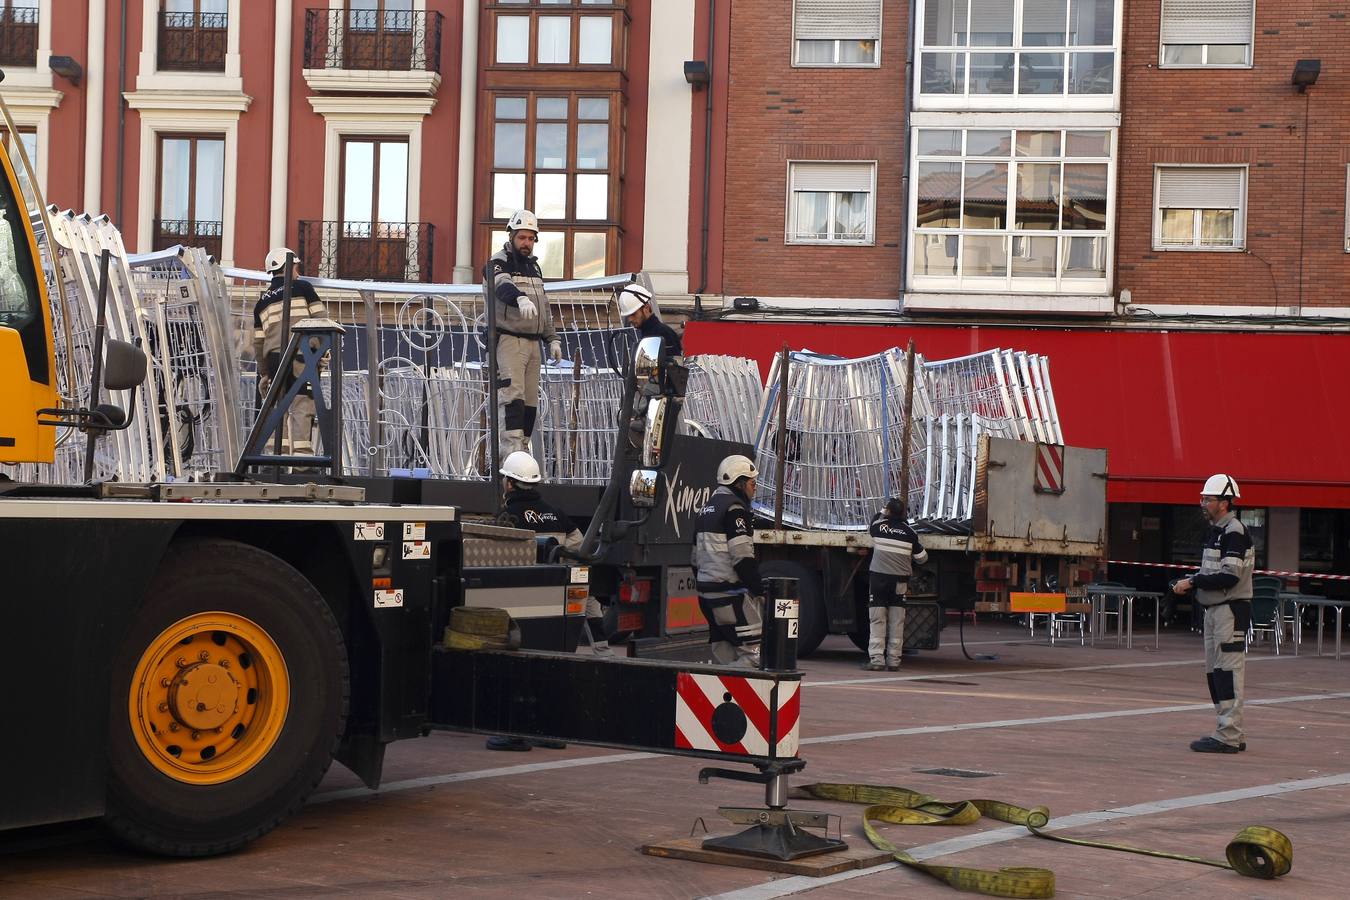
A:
{"x": 813, "y": 622}
{"x": 152, "y": 811}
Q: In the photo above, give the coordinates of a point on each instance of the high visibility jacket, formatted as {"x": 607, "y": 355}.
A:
{"x": 724, "y": 546}
{"x": 1225, "y": 564}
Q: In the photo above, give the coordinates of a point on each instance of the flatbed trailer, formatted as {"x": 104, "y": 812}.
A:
{"x": 1020, "y": 538}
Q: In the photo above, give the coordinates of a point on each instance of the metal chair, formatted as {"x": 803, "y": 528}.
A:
{"x": 1265, "y": 618}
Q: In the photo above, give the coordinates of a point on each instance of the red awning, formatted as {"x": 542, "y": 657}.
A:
{"x": 1172, "y": 408}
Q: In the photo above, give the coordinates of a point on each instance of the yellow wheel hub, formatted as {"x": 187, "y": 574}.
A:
{"x": 209, "y": 698}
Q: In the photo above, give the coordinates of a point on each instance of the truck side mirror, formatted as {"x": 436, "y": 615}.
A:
{"x": 642, "y": 488}
{"x": 654, "y": 437}
{"x": 649, "y": 359}
{"x": 124, "y": 366}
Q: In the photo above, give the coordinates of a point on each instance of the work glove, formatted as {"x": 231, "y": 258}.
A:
{"x": 555, "y": 351}
{"x": 527, "y": 307}
{"x": 263, "y": 384}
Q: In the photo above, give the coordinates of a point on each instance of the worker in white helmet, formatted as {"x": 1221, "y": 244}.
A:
{"x": 730, "y": 591}
{"x": 636, "y": 308}
{"x": 516, "y": 284}
{"x": 523, "y": 507}
{"x": 268, "y": 342}
{"x": 1223, "y": 588}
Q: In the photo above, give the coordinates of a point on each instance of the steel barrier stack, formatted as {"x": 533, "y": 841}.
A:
{"x": 842, "y": 441}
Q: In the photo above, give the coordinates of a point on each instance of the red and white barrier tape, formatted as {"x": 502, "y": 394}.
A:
{"x": 1152, "y": 565}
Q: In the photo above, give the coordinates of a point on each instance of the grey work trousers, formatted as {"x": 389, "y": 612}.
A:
{"x": 1225, "y": 662}
{"x": 297, "y": 429}
{"x": 518, "y": 361}
{"x": 735, "y": 628}
{"x": 886, "y": 638}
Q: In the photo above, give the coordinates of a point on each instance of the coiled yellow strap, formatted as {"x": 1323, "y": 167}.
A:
{"x": 1257, "y": 851}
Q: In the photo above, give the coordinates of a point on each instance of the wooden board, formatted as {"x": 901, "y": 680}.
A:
{"x": 816, "y": 866}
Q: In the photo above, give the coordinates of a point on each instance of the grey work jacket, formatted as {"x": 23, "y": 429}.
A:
{"x": 1226, "y": 564}
{"x": 511, "y": 275}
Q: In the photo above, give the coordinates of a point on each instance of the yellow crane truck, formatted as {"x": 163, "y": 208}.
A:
{"x": 186, "y": 660}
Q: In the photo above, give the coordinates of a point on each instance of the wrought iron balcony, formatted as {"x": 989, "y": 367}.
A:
{"x": 379, "y": 251}
{"x": 368, "y": 39}
{"x": 189, "y": 233}
{"x": 192, "y": 42}
{"x": 18, "y": 35}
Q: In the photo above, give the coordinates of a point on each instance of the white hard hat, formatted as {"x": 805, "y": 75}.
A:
{"x": 1221, "y": 486}
{"x": 276, "y": 258}
{"x": 523, "y": 218}
{"x": 632, "y": 298}
{"x": 734, "y": 468}
{"x": 521, "y": 466}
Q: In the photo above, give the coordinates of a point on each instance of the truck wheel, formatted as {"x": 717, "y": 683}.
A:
{"x": 812, "y": 624}
{"x": 229, "y": 696}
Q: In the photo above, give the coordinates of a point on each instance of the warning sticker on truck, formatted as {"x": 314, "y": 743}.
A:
{"x": 367, "y": 531}
{"x": 417, "y": 549}
{"x": 387, "y": 599}
{"x": 414, "y": 531}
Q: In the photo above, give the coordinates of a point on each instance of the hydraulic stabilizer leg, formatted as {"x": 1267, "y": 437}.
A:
{"x": 775, "y": 832}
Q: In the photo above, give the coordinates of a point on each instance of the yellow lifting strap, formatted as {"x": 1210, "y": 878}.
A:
{"x": 1257, "y": 851}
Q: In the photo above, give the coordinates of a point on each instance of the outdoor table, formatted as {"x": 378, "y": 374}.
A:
{"x": 1097, "y": 595}
{"x": 1301, "y": 600}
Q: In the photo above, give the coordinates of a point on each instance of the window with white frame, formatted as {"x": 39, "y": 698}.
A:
{"x": 1015, "y": 48}
{"x": 1207, "y": 32}
{"x": 830, "y": 203}
{"x": 1199, "y": 207}
{"x": 1021, "y": 210}
{"x": 836, "y": 32}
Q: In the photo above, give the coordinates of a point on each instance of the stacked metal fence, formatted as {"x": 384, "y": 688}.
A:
{"x": 415, "y": 391}
{"x": 415, "y": 367}
{"x": 842, "y": 441}
{"x": 842, "y": 446}
{"x": 723, "y": 397}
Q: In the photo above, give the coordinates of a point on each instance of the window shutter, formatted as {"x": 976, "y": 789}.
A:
{"x": 1044, "y": 17}
{"x": 1207, "y": 21}
{"x": 837, "y": 19}
{"x": 831, "y": 177}
{"x": 1200, "y": 187}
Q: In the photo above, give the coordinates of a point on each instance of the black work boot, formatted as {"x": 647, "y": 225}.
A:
{"x": 1210, "y": 745}
{"x": 502, "y": 742}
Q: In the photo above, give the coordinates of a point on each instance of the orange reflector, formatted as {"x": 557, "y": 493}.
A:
{"x": 683, "y": 612}
{"x": 1036, "y": 603}
{"x": 576, "y": 600}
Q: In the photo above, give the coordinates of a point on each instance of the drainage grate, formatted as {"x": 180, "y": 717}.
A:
{"x": 958, "y": 773}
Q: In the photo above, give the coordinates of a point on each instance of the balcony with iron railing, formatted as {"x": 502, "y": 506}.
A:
{"x": 192, "y": 42}
{"x": 379, "y": 251}
{"x": 373, "y": 40}
{"x": 189, "y": 233}
{"x": 18, "y": 35}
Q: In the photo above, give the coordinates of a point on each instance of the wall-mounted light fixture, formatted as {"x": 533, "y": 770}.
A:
{"x": 1305, "y": 73}
{"x": 696, "y": 73}
{"x": 67, "y": 68}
